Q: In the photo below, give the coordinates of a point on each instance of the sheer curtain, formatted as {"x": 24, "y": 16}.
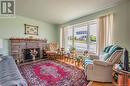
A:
{"x": 62, "y": 39}
{"x": 105, "y": 31}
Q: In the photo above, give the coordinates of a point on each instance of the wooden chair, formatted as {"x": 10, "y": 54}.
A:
{"x": 52, "y": 50}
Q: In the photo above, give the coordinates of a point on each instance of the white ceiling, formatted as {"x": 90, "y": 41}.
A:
{"x": 60, "y": 11}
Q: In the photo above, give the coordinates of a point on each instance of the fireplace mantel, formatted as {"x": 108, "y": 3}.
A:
{"x": 20, "y": 44}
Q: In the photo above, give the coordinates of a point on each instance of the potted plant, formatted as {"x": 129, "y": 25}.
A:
{"x": 72, "y": 50}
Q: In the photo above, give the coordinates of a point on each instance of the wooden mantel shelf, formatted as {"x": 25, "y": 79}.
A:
{"x": 28, "y": 39}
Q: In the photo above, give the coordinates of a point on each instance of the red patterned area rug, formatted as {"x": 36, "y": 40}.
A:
{"x": 52, "y": 73}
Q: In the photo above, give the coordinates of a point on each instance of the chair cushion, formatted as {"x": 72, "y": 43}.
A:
{"x": 51, "y": 52}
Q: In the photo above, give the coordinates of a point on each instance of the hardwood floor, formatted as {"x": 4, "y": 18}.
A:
{"x": 99, "y": 84}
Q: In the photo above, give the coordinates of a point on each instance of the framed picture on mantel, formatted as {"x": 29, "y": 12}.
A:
{"x": 31, "y": 30}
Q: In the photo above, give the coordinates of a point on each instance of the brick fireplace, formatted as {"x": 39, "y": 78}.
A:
{"x": 23, "y": 49}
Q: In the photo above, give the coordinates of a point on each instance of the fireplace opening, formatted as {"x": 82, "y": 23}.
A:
{"x": 31, "y": 54}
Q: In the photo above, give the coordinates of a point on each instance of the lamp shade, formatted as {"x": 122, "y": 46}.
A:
{"x": 1, "y": 43}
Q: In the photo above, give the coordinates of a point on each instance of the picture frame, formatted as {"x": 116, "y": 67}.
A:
{"x": 31, "y": 30}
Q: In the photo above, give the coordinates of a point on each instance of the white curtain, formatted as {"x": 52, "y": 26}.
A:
{"x": 64, "y": 37}
{"x": 61, "y": 37}
{"x": 105, "y": 32}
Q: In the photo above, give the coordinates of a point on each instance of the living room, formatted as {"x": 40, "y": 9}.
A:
{"x": 77, "y": 29}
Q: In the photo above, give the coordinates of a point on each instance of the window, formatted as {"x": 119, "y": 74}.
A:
{"x": 92, "y": 36}
{"x": 81, "y": 36}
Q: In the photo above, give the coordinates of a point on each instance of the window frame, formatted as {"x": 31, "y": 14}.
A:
{"x": 88, "y": 42}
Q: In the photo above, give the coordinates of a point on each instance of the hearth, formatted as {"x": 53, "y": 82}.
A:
{"x": 31, "y": 54}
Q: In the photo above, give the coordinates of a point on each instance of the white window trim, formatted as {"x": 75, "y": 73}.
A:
{"x": 83, "y": 23}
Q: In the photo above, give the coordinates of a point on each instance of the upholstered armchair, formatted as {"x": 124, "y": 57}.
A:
{"x": 52, "y": 50}
{"x": 101, "y": 69}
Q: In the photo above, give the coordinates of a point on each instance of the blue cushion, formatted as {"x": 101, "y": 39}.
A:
{"x": 88, "y": 61}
